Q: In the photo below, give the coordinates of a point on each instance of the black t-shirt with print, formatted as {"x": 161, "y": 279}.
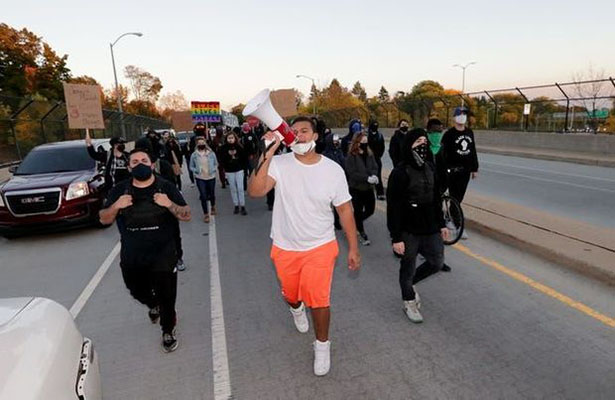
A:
{"x": 146, "y": 229}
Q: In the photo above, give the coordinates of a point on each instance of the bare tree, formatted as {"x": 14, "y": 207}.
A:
{"x": 145, "y": 86}
{"x": 588, "y": 86}
{"x": 173, "y": 101}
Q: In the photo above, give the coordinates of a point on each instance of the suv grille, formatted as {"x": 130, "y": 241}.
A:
{"x": 33, "y": 202}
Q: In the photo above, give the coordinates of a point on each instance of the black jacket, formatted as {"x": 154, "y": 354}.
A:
{"x": 233, "y": 162}
{"x": 111, "y": 177}
{"x": 333, "y": 153}
{"x": 413, "y": 196}
{"x": 459, "y": 149}
{"x": 395, "y": 149}
{"x": 358, "y": 168}
{"x": 375, "y": 140}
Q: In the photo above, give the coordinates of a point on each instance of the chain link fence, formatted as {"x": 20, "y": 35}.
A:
{"x": 26, "y": 123}
{"x": 586, "y": 106}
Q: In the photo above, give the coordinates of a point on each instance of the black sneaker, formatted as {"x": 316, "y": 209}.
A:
{"x": 181, "y": 266}
{"x": 154, "y": 314}
{"x": 270, "y": 207}
{"x": 236, "y": 210}
{"x": 446, "y": 268}
{"x": 169, "y": 342}
{"x": 243, "y": 211}
{"x": 364, "y": 239}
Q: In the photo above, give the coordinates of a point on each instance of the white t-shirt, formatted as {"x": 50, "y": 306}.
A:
{"x": 302, "y": 214}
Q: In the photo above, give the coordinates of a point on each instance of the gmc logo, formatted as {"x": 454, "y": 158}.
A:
{"x": 30, "y": 200}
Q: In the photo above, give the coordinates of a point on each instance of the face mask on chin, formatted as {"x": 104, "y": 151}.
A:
{"x": 461, "y": 119}
{"x": 303, "y": 148}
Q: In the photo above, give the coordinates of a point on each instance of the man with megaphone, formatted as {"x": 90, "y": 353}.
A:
{"x": 307, "y": 186}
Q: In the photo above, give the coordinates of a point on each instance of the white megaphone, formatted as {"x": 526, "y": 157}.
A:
{"x": 260, "y": 107}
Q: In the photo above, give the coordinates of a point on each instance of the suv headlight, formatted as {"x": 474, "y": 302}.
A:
{"x": 76, "y": 190}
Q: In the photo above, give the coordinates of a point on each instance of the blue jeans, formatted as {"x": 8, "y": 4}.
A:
{"x": 207, "y": 191}
{"x": 235, "y": 181}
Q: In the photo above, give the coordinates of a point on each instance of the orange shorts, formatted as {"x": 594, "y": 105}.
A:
{"x": 306, "y": 275}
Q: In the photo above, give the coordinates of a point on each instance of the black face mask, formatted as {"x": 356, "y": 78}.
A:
{"x": 363, "y": 146}
{"x": 336, "y": 144}
{"x": 141, "y": 172}
{"x": 201, "y": 147}
{"x": 419, "y": 154}
{"x": 120, "y": 147}
{"x": 404, "y": 129}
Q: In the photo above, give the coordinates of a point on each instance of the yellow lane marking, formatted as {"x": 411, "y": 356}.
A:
{"x": 539, "y": 286}
{"x": 532, "y": 283}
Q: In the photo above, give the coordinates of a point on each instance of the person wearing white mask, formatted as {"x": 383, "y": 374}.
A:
{"x": 459, "y": 155}
{"x": 307, "y": 186}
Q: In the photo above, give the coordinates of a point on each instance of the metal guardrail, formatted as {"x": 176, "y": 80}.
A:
{"x": 26, "y": 123}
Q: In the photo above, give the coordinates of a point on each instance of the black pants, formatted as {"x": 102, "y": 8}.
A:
{"x": 432, "y": 248}
{"x": 379, "y": 186}
{"x": 154, "y": 288}
{"x": 190, "y": 173}
{"x": 270, "y": 197}
{"x": 178, "y": 239}
{"x": 178, "y": 182}
{"x": 364, "y": 204}
{"x": 458, "y": 184}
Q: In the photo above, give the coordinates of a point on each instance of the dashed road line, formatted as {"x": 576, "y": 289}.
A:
{"x": 91, "y": 286}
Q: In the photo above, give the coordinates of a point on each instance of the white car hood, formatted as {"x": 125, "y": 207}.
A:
{"x": 40, "y": 348}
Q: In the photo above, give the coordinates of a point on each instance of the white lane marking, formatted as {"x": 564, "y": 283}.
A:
{"x": 222, "y": 378}
{"x": 548, "y": 180}
{"x": 549, "y": 171}
{"x": 91, "y": 286}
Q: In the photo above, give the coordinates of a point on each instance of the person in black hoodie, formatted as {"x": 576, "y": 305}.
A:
{"x": 233, "y": 159}
{"x": 396, "y": 141}
{"x": 375, "y": 141}
{"x": 333, "y": 151}
{"x": 414, "y": 218}
{"x": 115, "y": 160}
{"x": 459, "y": 156}
{"x": 173, "y": 155}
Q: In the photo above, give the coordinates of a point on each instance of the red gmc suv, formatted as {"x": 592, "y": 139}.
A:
{"x": 56, "y": 185}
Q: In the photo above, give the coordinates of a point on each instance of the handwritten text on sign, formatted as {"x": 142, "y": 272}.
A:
{"x": 83, "y": 106}
{"x": 205, "y": 111}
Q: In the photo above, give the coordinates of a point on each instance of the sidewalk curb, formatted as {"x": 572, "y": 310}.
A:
{"x": 550, "y": 157}
{"x": 576, "y": 264}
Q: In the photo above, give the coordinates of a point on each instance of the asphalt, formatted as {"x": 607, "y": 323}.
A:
{"x": 485, "y": 334}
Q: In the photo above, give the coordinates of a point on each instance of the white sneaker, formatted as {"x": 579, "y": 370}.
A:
{"x": 450, "y": 226}
{"x": 412, "y": 311}
{"x": 417, "y": 298}
{"x": 300, "y": 318}
{"x": 464, "y": 235}
{"x": 322, "y": 357}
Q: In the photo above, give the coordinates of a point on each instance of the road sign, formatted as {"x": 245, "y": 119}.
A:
{"x": 527, "y": 108}
{"x": 205, "y": 111}
{"x": 83, "y": 106}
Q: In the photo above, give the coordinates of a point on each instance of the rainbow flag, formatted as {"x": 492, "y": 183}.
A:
{"x": 205, "y": 111}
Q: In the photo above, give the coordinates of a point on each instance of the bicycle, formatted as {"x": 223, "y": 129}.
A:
{"x": 453, "y": 216}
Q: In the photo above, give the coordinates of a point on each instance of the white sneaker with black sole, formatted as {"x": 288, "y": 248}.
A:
{"x": 300, "y": 317}
{"x": 169, "y": 342}
{"x": 412, "y": 311}
{"x": 322, "y": 357}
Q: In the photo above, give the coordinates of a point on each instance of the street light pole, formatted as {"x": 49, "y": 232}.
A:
{"x": 463, "y": 78}
{"x": 314, "y": 86}
{"x": 117, "y": 88}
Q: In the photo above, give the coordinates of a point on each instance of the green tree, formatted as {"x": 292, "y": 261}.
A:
{"x": 145, "y": 86}
{"x": 30, "y": 66}
{"x": 359, "y": 92}
{"x": 383, "y": 95}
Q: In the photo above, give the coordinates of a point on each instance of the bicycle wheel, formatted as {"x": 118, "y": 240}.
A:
{"x": 453, "y": 218}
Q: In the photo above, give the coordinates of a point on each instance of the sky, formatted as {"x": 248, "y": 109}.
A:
{"x": 229, "y": 50}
